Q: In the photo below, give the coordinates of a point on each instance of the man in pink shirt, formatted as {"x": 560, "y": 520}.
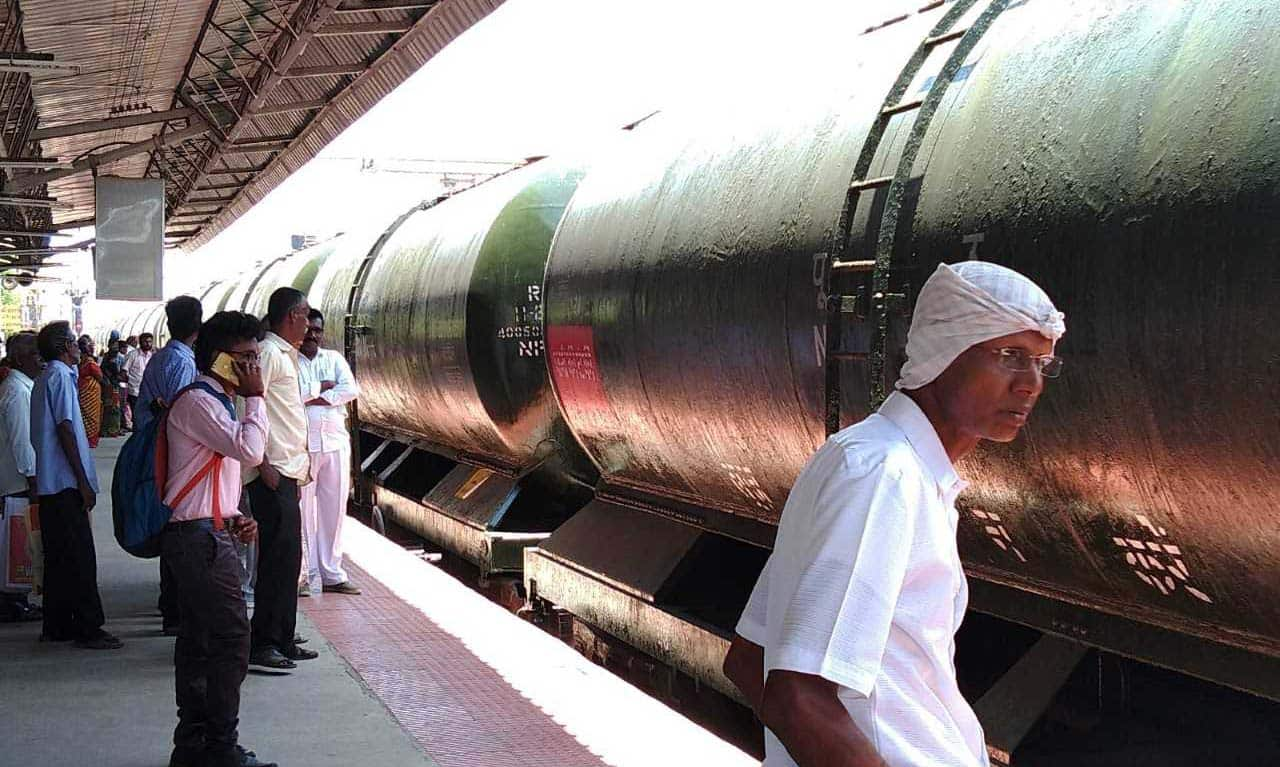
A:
{"x": 206, "y": 446}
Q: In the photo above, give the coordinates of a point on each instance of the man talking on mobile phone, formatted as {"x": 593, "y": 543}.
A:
{"x": 207, "y": 446}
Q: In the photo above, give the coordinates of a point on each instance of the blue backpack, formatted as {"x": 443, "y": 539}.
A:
{"x": 137, "y": 484}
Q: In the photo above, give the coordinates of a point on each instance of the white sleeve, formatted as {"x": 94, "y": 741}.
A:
{"x": 345, "y": 387}
{"x": 753, "y": 625}
{"x": 17, "y": 416}
{"x": 848, "y": 563}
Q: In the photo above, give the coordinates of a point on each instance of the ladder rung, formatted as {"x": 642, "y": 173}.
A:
{"x": 853, "y": 266}
{"x": 870, "y": 183}
{"x": 905, "y": 106}
{"x": 848, "y": 356}
{"x": 945, "y": 38}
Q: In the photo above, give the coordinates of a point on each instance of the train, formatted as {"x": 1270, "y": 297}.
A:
{"x": 604, "y": 372}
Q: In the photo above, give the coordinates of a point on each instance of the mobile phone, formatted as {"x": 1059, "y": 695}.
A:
{"x": 224, "y": 370}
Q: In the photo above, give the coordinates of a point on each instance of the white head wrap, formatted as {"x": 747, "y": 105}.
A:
{"x": 966, "y": 304}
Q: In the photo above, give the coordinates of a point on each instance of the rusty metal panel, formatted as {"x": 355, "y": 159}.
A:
{"x": 694, "y": 649}
{"x": 634, "y": 551}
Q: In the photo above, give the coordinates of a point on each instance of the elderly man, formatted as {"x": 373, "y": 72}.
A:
{"x": 327, "y": 386}
{"x": 68, "y": 488}
{"x": 17, "y": 459}
{"x": 171, "y": 370}
{"x": 846, "y": 648}
{"x": 273, "y": 488}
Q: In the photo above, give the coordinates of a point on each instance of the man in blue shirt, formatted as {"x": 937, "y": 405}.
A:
{"x": 68, "y": 487}
{"x": 171, "y": 370}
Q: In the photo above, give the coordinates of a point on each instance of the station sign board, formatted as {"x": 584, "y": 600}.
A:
{"x": 129, "y": 231}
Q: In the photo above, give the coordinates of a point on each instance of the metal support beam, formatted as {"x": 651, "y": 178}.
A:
{"x": 293, "y": 106}
{"x": 307, "y": 18}
{"x": 261, "y": 144}
{"x": 32, "y": 162}
{"x": 214, "y": 187}
{"x": 359, "y": 6}
{"x": 236, "y": 171}
{"x": 155, "y": 143}
{"x": 24, "y": 233}
{"x": 111, "y": 123}
{"x": 335, "y": 70}
{"x": 28, "y": 202}
{"x": 366, "y": 28}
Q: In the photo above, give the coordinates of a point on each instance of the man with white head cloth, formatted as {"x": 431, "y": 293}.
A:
{"x": 846, "y": 648}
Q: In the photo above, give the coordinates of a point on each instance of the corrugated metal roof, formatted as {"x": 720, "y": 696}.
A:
{"x": 251, "y": 89}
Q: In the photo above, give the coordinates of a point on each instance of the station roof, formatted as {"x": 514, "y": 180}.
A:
{"x": 222, "y": 99}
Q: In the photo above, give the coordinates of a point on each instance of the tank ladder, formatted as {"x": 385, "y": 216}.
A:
{"x": 842, "y": 296}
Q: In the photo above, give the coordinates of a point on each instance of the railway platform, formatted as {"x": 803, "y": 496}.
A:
{"x": 417, "y": 670}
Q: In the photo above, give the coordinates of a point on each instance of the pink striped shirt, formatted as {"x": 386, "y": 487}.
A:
{"x": 198, "y": 426}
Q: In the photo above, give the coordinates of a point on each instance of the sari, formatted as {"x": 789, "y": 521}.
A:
{"x": 91, "y": 398}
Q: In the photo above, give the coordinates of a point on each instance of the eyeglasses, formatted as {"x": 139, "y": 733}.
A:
{"x": 1019, "y": 361}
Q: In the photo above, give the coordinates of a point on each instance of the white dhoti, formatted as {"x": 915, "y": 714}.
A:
{"x": 324, "y": 508}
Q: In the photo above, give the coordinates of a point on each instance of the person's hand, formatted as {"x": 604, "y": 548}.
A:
{"x": 270, "y": 477}
{"x": 244, "y": 529}
{"x": 327, "y": 385}
{"x": 250, "y": 375}
{"x": 88, "y": 497}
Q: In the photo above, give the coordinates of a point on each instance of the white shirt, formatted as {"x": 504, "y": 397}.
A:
{"x": 134, "y": 366}
{"x": 865, "y": 589}
{"x": 327, "y": 424}
{"x": 17, "y": 456}
{"x": 286, "y": 417}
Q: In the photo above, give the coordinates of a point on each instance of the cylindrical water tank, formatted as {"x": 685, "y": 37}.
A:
{"x": 1124, "y": 154}
{"x": 450, "y": 346}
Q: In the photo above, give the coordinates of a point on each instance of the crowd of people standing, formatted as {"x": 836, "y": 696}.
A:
{"x": 253, "y": 415}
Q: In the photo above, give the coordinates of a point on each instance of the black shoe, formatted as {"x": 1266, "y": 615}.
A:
{"x": 346, "y": 587}
{"x": 99, "y": 641}
{"x": 299, "y": 653}
{"x": 299, "y": 639}
{"x": 270, "y": 658}
{"x": 237, "y": 757}
{"x": 55, "y": 637}
{"x": 250, "y": 759}
{"x": 186, "y": 757}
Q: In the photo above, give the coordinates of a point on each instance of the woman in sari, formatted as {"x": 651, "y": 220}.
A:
{"x": 110, "y": 391}
{"x": 90, "y": 391}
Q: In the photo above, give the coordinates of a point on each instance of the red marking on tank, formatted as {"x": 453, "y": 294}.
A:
{"x": 571, "y": 351}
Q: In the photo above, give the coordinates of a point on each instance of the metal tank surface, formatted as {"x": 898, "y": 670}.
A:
{"x": 450, "y": 348}
{"x": 1121, "y": 153}
{"x": 296, "y": 270}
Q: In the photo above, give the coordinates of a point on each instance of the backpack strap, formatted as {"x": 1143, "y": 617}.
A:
{"x": 213, "y": 465}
